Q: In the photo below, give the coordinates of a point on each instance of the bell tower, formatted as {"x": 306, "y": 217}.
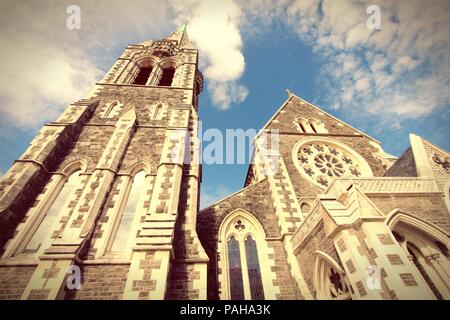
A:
{"x": 110, "y": 189}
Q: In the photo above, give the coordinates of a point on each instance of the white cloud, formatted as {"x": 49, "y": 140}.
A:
{"x": 213, "y": 26}
{"x": 45, "y": 66}
{"x": 405, "y": 66}
{"x": 210, "y": 195}
{"x": 400, "y": 71}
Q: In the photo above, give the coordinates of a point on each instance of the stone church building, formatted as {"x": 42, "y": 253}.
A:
{"x": 104, "y": 203}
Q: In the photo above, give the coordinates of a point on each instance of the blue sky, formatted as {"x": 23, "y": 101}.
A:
{"x": 388, "y": 83}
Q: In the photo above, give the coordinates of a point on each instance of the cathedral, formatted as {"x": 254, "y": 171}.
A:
{"x": 104, "y": 203}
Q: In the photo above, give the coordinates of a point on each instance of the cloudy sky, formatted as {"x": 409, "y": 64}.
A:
{"x": 387, "y": 82}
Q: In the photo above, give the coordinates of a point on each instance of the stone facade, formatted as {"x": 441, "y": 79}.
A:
{"x": 325, "y": 213}
{"x": 345, "y": 219}
{"x": 121, "y": 129}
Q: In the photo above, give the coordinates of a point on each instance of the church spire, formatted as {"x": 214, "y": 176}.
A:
{"x": 183, "y": 28}
{"x": 180, "y": 35}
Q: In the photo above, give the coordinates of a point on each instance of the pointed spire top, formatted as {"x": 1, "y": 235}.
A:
{"x": 183, "y": 28}
{"x": 181, "y": 36}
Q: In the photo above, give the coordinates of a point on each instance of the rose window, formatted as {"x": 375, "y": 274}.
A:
{"x": 329, "y": 164}
{"x": 322, "y": 162}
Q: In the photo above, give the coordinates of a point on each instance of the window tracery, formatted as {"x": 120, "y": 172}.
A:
{"x": 243, "y": 247}
{"x": 322, "y": 161}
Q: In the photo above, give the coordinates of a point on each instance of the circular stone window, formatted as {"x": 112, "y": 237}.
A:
{"x": 321, "y": 161}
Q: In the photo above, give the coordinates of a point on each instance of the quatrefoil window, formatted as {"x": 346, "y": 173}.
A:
{"x": 321, "y": 162}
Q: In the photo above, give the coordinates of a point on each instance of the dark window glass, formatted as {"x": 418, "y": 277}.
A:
{"x": 142, "y": 77}
{"x": 235, "y": 270}
{"x": 301, "y": 126}
{"x": 167, "y": 77}
{"x": 313, "y": 128}
{"x": 254, "y": 271}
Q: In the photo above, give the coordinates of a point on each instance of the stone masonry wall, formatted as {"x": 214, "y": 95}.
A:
{"x": 429, "y": 207}
{"x": 100, "y": 282}
{"x": 405, "y": 166}
{"x": 306, "y": 253}
{"x": 13, "y": 281}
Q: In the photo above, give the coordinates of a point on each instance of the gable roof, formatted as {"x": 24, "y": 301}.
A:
{"x": 292, "y": 95}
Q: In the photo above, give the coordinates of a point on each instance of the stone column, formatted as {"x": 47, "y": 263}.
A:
{"x": 287, "y": 210}
{"x": 188, "y": 278}
{"x": 150, "y": 260}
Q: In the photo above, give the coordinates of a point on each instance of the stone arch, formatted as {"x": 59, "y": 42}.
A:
{"x": 240, "y": 225}
{"x": 317, "y": 126}
{"x": 301, "y": 124}
{"x": 158, "y": 110}
{"x": 144, "y": 66}
{"x": 81, "y": 163}
{"x": 168, "y": 71}
{"x": 112, "y": 109}
{"x": 330, "y": 281}
{"x": 141, "y": 165}
{"x": 46, "y": 214}
{"x": 305, "y": 206}
{"x": 397, "y": 216}
{"x": 427, "y": 247}
{"x": 146, "y": 60}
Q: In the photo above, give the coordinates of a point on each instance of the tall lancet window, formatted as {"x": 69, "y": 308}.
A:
{"x": 235, "y": 269}
{"x": 254, "y": 270}
{"x": 242, "y": 249}
{"x": 126, "y": 219}
{"x": 42, "y": 233}
{"x": 167, "y": 77}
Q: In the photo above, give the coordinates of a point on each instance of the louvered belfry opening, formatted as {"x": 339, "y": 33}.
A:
{"x": 142, "y": 77}
{"x": 167, "y": 77}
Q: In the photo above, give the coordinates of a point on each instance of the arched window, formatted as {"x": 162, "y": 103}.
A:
{"x": 247, "y": 274}
{"x": 43, "y": 232}
{"x": 158, "y": 111}
{"x": 305, "y": 207}
{"x": 321, "y": 160}
{"x": 112, "y": 109}
{"x": 301, "y": 124}
{"x": 235, "y": 269}
{"x": 254, "y": 269}
{"x": 427, "y": 256}
{"x": 122, "y": 234}
{"x": 143, "y": 75}
{"x": 330, "y": 280}
{"x": 310, "y": 125}
{"x": 167, "y": 77}
{"x": 317, "y": 126}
